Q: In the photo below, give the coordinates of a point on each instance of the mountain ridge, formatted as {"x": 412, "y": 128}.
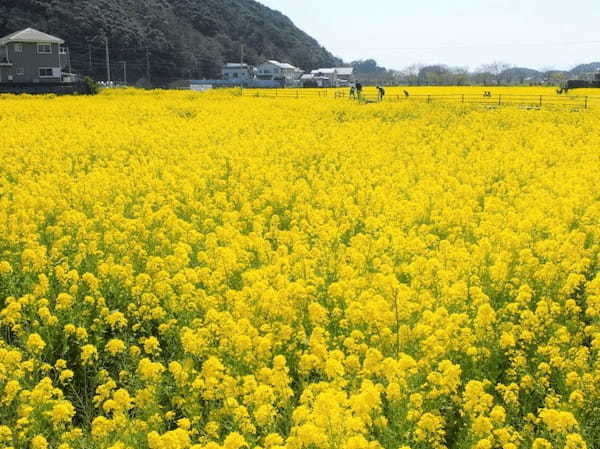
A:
{"x": 175, "y": 38}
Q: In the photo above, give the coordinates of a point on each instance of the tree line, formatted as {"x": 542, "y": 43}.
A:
{"x": 496, "y": 73}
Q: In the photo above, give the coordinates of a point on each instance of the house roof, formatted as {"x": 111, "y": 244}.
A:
{"x": 30, "y": 35}
{"x": 236, "y": 65}
{"x": 343, "y": 71}
{"x": 323, "y": 71}
{"x": 282, "y": 65}
{"x": 311, "y": 77}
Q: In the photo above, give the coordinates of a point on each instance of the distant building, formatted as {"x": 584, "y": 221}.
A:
{"x": 237, "y": 72}
{"x": 330, "y": 77}
{"x": 593, "y": 81}
{"x": 286, "y": 74}
{"x": 30, "y": 56}
{"x": 311, "y": 80}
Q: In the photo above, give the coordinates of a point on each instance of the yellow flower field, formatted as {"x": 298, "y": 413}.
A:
{"x": 519, "y": 96}
{"x": 210, "y": 271}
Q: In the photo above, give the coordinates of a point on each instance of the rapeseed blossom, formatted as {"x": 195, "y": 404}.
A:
{"x": 210, "y": 271}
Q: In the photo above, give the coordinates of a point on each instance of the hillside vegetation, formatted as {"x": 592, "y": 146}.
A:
{"x": 183, "y": 38}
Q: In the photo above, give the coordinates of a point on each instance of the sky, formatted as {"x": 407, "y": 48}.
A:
{"x": 467, "y": 33}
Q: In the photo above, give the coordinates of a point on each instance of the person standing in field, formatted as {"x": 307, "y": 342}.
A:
{"x": 353, "y": 92}
{"x": 380, "y": 93}
{"x": 359, "y": 90}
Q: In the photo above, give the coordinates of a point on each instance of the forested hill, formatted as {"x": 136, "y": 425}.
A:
{"x": 182, "y": 38}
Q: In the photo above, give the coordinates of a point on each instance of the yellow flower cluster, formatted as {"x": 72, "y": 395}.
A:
{"x": 211, "y": 271}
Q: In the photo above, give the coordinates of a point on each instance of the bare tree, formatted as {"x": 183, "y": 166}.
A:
{"x": 460, "y": 76}
{"x": 491, "y": 73}
{"x": 411, "y": 74}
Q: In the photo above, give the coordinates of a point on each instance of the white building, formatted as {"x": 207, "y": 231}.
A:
{"x": 332, "y": 76}
{"x": 237, "y": 72}
{"x": 285, "y": 73}
{"x": 311, "y": 80}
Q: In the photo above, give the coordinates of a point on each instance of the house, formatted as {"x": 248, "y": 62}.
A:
{"x": 30, "y": 56}
{"x": 333, "y": 76}
{"x": 282, "y": 72}
{"x": 312, "y": 80}
{"x": 237, "y": 72}
{"x": 345, "y": 75}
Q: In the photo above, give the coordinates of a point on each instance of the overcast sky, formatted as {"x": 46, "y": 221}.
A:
{"x": 530, "y": 33}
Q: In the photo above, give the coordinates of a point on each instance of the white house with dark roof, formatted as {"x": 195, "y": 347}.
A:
{"x": 233, "y": 71}
{"x": 331, "y": 77}
{"x": 31, "y": 56}
{"x": 285, "y": 73}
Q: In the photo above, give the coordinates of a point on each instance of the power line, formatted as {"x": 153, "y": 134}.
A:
{"x": 81, "y": 62}
{"x": 119, "y": 65}
{"x": 147, "y": 64}
{"x": 124, "y": 71}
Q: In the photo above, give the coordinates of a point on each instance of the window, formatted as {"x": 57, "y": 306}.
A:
{"x": 62, "y": 49}
{"x": 235, "y": 75}
{"x": 44, "y": 49}
{"x": 18, "y": 48}
{"x": 20, "y": 71}
{"x": 45, "y": 72}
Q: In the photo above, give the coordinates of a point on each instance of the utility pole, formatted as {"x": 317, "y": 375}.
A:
{"x": 107, "y": 59}
{"x": 90, "y": 57}
{"x": 242, "y": 69}
{"x": 148, "y": 64}
{"x": 69, "y": 60}
{"x": 124, "y": 71}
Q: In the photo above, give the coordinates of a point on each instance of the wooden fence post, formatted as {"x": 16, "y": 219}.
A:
{"x": 541, "y": 101}
{"x": 500, "y": 100}
{"x": 586, "y": 102}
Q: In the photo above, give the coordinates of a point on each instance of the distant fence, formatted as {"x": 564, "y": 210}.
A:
{"x": 528, "y": 101}
{"x": 252, "y": 84}
{"x": 292, "y": 93}
{"x": 44, "y": 88}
